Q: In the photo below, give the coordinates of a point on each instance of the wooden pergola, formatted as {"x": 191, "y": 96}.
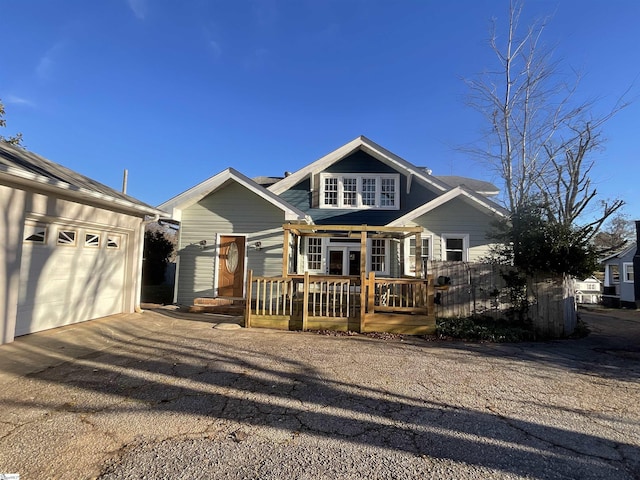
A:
{"x": 351, "y": 231}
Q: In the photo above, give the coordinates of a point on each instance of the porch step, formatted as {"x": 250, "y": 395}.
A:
{"x": 224, "y": 306}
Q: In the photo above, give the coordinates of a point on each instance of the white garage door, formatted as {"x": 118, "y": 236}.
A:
{"x": 69, "y": 274}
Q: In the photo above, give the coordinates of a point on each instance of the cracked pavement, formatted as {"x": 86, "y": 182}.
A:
{"x": 164, "y": 395}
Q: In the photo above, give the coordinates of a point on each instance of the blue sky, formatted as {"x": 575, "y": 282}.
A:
{"x": 176, "y": 91}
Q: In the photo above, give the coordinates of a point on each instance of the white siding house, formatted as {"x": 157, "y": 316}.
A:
{"x": 70, "y": 247}
{"x": 588, "y": 291}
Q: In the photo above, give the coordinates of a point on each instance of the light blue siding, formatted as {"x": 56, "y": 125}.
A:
{"x": 231, "y": 209}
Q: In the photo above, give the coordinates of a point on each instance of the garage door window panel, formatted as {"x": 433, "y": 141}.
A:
{"x": 67, "y": 238}
{"x": 35, "y": 234}
{"x": 113, "y": 242}
{"x": 92, "y": 240}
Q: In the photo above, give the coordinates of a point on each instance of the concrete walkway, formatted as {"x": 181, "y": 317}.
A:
{"x": 165, "y": 395}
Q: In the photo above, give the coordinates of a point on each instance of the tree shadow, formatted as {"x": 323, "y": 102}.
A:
{"x": 263, "y": 384}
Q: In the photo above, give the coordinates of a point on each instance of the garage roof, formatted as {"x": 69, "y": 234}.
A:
{"x": 27, "y": 168}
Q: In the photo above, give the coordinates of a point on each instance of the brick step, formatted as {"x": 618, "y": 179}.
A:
{"x": 224, "y": 306}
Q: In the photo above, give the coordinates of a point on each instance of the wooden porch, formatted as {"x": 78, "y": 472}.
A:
{"x": 361, "y": 303}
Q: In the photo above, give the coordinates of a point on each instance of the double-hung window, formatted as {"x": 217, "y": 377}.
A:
{"x": 628, "y": 272}
{"x": 410, "y": 254}
{"x": 455, "y": 247}
{"x": 350, "y": 190}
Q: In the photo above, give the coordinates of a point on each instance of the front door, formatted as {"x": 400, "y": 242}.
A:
{"x": 344, "y": 261}
{"x": 231, "y": 266}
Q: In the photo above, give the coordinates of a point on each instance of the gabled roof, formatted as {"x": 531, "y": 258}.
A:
{"x": 622, "y": 253}
{"x": 369, "y": 147}
{"x": 462, "y": 192}
{"x": 178, "y": 203}
{"x": 478, "y": 186}
{"x": 25, "y": 168}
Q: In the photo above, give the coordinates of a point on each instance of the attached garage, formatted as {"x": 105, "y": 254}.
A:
{"x": 70, "y": 247}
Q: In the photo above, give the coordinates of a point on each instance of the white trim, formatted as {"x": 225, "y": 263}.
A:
{"x": 625, "y": 266}
{"x": 192, "y": 196}
{"x": 387, "y": 256}
{"x": 446, "y": 197}
{"x": 42, "y": 183}
{"x": 369, "y": 147}
{"x": 407, "y": 256}
{"x": 216, "y": 263}
{"x": 359, "y": 177}
{"x": 465, "y": 245}
{"x": 175, "y": 280}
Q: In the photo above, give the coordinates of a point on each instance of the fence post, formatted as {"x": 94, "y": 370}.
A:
{"x": 431, "y": 291}
{"x": 305, "y": 301}
{"x": 247, "y": 307}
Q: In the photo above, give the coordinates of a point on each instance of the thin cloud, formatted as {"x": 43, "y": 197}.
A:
{"x": 15, "y": 100}
{"x": 215, "y": 48}
{"x": 139, "y": 8}
{"x": 46, "y": 64}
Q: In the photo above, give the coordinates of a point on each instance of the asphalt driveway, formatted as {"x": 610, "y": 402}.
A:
{"x": 162, "y": 395}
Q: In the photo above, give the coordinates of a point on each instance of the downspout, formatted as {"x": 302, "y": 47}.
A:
{"x": 137, "y": 308}
{"x": 636, "y": 267}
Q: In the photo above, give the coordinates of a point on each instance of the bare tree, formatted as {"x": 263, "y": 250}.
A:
{"x": 615, "y": 234}
{"x": 539, "y": 138}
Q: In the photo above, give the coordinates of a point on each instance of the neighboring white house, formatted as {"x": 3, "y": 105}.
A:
{"x": 618, "y": 278}
{"x": 70, "y": 247}
{"x": 588, "y": 290}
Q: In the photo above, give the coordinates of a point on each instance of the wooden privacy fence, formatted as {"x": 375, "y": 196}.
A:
{"x": 364, "y": 304}
{"x": 468, "y": 289}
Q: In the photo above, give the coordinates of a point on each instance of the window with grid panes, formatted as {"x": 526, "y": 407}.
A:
{"x": 378, "y": 255}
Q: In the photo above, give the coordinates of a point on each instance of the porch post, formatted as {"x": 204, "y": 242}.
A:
{"x": 305, "y": 301}
{"x": 363, "y": 277}
{"x": 247, "y": 311}
{"x": 363, "y": 250}
{"x": 418, "y": 255}
{"x": 285, "y": 252}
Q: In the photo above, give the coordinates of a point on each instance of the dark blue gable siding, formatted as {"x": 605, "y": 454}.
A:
{"x": 359, "y": 162}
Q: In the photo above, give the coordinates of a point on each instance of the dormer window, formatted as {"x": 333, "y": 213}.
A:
{"x": 347, "y": 190}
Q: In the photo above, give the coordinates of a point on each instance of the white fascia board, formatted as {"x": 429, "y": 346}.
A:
{"x": 45, "y": 184}
{"x": 444, "y": 198}
{"x": 316, "y": 166}
{"x": 178, "y": 203}
{"x": 620, "y": 254}
{"x": 368, "y": 146}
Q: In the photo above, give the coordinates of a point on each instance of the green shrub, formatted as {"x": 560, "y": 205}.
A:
{"x": 485, "y": 329}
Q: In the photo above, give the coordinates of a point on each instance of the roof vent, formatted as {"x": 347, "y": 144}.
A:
{"x": 426, "y": 169}
{"x": 286, "y": 174}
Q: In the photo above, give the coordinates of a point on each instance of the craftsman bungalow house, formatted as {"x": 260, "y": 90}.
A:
{"x": 357, "y": 210}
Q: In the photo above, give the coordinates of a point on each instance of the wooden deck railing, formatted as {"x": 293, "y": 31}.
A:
{"x": 315, "y": 302}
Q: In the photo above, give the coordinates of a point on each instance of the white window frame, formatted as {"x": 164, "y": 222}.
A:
{"x": 115, "y": 238}
{"x": 387, "y": 252}
{"x": 610, "y": 276}
{"x": 63, "y": 239}
{"x": 465, "y": 245}
{"x": 408, "y": 256}
{"x": 35, "y": 231}
{"x": 378, "y": 204}
{"x": 94, "y": 235}
{"x": 625, "y": 272}
{"x": 322, "y": 255}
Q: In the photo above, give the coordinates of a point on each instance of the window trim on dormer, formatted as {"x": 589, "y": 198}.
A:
{"x": 381, "y": 179}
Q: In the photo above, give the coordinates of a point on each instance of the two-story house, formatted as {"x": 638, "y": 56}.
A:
{"x": 360, "y": 208}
